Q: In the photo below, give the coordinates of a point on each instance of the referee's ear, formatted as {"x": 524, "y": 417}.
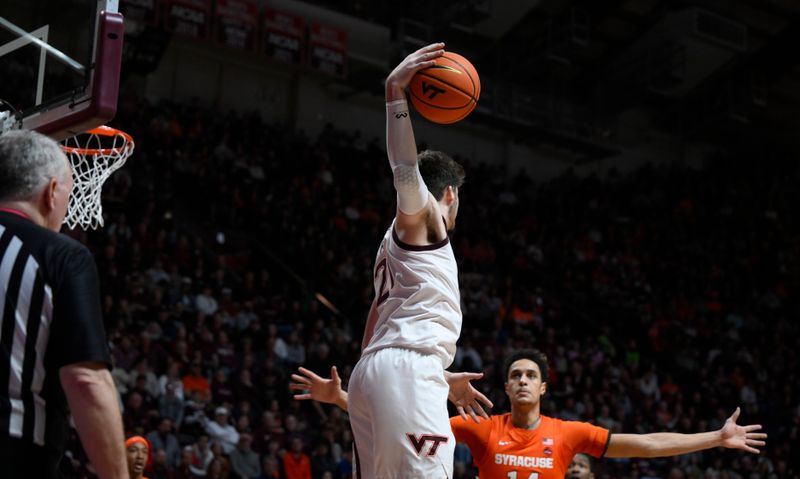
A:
{"x": 47, "y": 202}
{"x": 53, "y": 200}
{"x": 49, "y": 195}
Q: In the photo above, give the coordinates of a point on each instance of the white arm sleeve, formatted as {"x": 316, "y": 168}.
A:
{"x": 412, "y": 194}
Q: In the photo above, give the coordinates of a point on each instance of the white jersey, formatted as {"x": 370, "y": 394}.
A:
{"x": 418, "y": 300}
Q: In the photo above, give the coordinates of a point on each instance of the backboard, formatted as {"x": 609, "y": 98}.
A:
{"x": 59, "y": 64}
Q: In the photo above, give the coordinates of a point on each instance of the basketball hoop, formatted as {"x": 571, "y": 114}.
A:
{"x": 94, "y": 155}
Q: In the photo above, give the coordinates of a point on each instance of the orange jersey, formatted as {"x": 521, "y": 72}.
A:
{"x": 502, "y": 451}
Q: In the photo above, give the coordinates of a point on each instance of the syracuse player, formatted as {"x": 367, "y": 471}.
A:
{"x": 523, "y": 444}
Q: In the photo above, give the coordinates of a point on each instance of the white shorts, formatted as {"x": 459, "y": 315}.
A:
{"x": 397, "y": 400}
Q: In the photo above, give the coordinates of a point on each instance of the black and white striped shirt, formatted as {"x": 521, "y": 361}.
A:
{"x": 50, "y": 317}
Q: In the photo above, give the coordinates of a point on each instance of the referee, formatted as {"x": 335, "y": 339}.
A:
{"x": 53, "y": 350}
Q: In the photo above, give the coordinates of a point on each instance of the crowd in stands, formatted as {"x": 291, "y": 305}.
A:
{"x": 235, "y": 250}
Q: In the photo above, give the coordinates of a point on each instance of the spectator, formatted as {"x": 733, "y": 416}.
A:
{"x": 196, "y": 381}
{"x": 216, "y": 470}
{"x": 138, "y": 454}
{"x": 221, "y": 388}
{"x": 244, "y": 461}
{"x": 172, "y": 377}
{"x": 220, "y": 431}
{"x": 344, "y": 468}
{"x": 206, "y": 303}
{"x": 140, "y": 388}
{"x": 194, "y": 416}
{"x": 135, "y": 417}
{"x": 221, "y": 457}
{"x": 160, "y": 469}
{"x": 269, "y": 429}
{"x": 244, "y": 388}
{"x": 296, "y": 464}
{"x": 184, "y": 469}
{"x": 147, "y": 381}
{"x": 321, "y": 461}
{"x": 171, "y": 407}
{"x": 270, "y": 468}
{"x": 201, "y": 456}
{"x": 163, "y": 439}
{"x": 295, "y": 350}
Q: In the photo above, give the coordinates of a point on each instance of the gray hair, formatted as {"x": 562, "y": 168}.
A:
{"x": 28, "y": 160}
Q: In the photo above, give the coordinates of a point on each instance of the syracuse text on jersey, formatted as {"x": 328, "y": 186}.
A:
{"x": 523, "y": 461}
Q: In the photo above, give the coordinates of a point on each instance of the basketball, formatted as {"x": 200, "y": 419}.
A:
{"x": 448, "y": 91}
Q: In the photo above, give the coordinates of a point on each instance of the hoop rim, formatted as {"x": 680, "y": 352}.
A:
{"x": 102, "y": 130}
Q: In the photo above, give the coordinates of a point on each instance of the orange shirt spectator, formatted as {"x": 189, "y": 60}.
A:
{"x": 195, "y": 381}
{"x": 297, "y": 464}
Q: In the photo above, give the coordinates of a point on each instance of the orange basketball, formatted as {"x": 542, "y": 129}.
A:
{"x": 448, "y": 91}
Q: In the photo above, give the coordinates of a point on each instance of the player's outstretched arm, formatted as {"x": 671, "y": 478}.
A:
{"x": 731, "y": 435}
{"x": 465, "y": 397}
{"x": 317, "y": 388}
{"x": 462, "y": 394}
{"x": 412, "y": 194}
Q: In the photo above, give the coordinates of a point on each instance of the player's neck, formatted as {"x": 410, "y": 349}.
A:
{"x": 526, "y": 418}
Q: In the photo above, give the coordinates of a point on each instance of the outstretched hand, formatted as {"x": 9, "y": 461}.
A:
{"x": 314, "y": 387}
{"x": 741, "y": 437}
{"x": 466, "y": 398}
{"x": 423, "y": 58}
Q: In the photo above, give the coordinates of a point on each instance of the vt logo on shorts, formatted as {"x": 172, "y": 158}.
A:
{"x": 419, "y": 443}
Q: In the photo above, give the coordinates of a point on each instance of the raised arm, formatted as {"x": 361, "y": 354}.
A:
{"x": 413, "y": 197}
{"x": 93, "y": 402}
{"x": 662, "y": 444}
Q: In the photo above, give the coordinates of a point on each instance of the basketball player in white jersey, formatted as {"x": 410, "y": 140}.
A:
{"x": 398, "y": 391}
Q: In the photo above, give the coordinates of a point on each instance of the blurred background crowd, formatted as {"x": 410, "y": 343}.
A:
{"x": 235, "y": 251}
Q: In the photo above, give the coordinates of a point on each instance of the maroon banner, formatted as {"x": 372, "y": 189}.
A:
{"x": 328, "y": 49}
{"x": 284, "y": 36}
{"x": 189, "y": 17}
{"x": 142, "y": 11}
{"x": 236, "y": 22}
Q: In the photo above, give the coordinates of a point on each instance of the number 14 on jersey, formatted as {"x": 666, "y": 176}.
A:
{"x": 513, "y": 475}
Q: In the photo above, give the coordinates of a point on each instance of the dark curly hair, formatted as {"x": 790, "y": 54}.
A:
{"x": 534, "y": 355}
{"x": 439, "y": 171}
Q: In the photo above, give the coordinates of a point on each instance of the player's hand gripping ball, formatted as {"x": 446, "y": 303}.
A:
{"x": 448, "y": 91}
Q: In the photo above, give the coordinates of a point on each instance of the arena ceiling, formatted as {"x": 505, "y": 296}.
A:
{"x": 565, "y": 71}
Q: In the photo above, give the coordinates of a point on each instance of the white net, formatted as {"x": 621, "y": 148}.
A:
{"x": 94, "y": 155}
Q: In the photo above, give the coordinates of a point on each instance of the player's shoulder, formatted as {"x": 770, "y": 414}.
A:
{"x": 554, "y": 421}
{"x": 570, "y": 427}
{"x": 496, "y": 421}
{"x": 559, "y": 424}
